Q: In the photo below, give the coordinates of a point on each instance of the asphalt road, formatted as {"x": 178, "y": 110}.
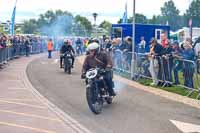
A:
{"x": 133, "y": 110}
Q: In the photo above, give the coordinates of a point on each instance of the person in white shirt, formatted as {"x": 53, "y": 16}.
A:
{"x": 142, "y": 45}
{"x": 197, "y": 49}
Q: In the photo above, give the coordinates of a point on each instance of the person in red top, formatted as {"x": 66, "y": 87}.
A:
{"x": 49, "y": 47}
{"x": 164, "y": 40}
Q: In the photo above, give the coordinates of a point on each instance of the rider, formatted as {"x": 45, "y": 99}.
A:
{"x": 66, "y": 47}
{"x": 102, "y": 60}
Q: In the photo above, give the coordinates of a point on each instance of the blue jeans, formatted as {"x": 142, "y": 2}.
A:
{"x": 109, "y": 83}
{"x": 49, "y": 53}
{"x": 188, "y": 71}
{"x": 177, "y": 68}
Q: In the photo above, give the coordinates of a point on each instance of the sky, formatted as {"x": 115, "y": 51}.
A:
{"x": 111, "y": 10}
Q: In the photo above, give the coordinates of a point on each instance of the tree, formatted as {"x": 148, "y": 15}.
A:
{"x": 153, "y": 20}
{"x": 55, "y": 23}
{"x": 106, "y": 25}
{"x": 85, "y": 25}
{"x": 194, "y": 13}
{"x": 30, "y": 26}
{"x": 139, "y": 18}
{"x": 170, "y": 14}
{"x": 49, "y": 16}
{"x": 58, "y": 23}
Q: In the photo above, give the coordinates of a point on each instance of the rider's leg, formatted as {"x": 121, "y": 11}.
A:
{"x": 72, "y": 61}
{"x": 109, "y": 82}
{"x": 61, "y": 60}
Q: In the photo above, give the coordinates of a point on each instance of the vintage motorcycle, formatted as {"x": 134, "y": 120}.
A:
{"x": 68, "y": 62}
{"x": 97, "y": 90}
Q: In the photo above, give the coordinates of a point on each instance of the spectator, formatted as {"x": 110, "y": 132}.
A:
{"x": 197, "y": 53}
{"x": 116, "y": 53}
{"x": 178, "y": 64}
{"x": 153, "y": 62}
{"x": 142, "y": 44}
{"x": 120, "y": 44}
{"x": 79, "y": 46}
{"x": 128, "y": 52}
{"x": 188, "y": 67}
{"x": 197, "y": 48}
{"x": 27, "y": 46}
{"x": 164, "y": 40}
{"x": 50, "y": 47}
{"x": 167, "y": 63}
{"x": 108, "y": 45}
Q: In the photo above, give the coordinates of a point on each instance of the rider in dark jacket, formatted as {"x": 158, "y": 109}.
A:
{"x": 102, "y": 60}
{"x": 66, "y": 47}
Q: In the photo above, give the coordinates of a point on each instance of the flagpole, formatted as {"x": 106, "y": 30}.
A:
{"x": 15, "y": 3}
{"x": 133, "y": 43}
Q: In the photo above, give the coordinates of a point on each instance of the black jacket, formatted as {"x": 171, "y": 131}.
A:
{"x": 158, "y": 49}
{"x": 66, "y": 48}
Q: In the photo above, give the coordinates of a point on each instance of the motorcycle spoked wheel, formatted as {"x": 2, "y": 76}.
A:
{"x": 65, "y": 65}
{"x": 94, "y": 105}
{"x": 69, "y": 67}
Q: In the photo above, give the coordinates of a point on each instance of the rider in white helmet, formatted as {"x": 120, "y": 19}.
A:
{"x": 102, "y": 60}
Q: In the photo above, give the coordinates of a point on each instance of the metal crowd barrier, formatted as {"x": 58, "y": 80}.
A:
{"x": 16, "y": 51}
{"x": 198, "y": 74}
{"x": 1, "y": 56}
{"x": 122, "y": 61}
{"x": 168, "y": 70}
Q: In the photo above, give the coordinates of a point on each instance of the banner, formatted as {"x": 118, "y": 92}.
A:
{"x": 125, "y": 16}
{"x": 12, "y": 24}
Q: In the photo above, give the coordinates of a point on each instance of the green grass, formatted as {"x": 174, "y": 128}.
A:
{"x": 174, "y": 89}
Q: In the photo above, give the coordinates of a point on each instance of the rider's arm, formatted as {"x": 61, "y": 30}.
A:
{"x": 85, "y": 65}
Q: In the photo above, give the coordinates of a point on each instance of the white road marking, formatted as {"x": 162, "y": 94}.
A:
{"x": 186, "y": 127}
{"x": 55, "y": 61}
{"x": 43, "y": 63}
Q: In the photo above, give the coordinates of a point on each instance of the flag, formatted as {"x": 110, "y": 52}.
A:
{"x": 12, "y": 24}
{"x": 125, "y": 16}
{"x": 190, "y": 25}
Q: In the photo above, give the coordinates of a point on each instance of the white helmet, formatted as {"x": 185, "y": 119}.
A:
{"x": 93, "y": 46}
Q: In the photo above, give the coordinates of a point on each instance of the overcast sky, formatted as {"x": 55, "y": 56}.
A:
{"x": 110, "y": 10}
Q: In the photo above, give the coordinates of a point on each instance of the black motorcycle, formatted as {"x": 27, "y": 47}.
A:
{"x": 68, "y": 62}
{"x": 97, "y": 90}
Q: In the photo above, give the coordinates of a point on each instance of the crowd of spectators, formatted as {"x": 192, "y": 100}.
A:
{"x": 165, "y": 63}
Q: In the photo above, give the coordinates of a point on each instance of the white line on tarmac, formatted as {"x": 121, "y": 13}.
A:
{"x": 17, "y": 88}
{"x": 23, "y": 104}
{"x": 55, "y": 61}
{"x": 26, "y": 127}
{"x": 15, "y": 99}
{"x": 30, "y": 115}
{"x": 186, "y": 127}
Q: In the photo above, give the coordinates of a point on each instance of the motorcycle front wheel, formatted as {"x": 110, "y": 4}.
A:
{"x": 69, "y": 67}
{"x": 94, "y": 102}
